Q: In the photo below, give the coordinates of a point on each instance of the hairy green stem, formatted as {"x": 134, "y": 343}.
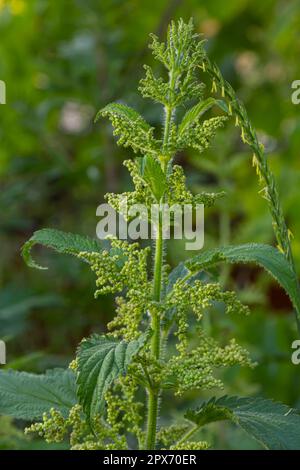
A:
{"x": 153, "y": 394}
{"x": 157, "y": 289}
{"x": 168, "y": 120}
{"x": 153, "y": 398}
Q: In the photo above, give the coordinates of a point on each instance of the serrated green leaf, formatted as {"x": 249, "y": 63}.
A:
{"x": 268, "y": 257}
{"x": 274, "y": 425}
{"x": 193, "y": 114}
{"x": 132, "y": 129}
{"x": 154, "y": 176}
{"x": 100, "y": 361}
{"x": 62, "y": 242}
{"x": 27, "y": 396}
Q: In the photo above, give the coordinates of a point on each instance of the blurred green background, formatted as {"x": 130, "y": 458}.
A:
{"x": 62, "y": 61}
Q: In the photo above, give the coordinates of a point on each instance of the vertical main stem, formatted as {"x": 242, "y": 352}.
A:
{"x": 157, "y": 289}
{"x": 152, "y": 420}
{"x": 153, "y": 394}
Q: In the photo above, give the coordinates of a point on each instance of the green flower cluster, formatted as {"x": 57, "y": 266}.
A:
{"x": 124, "y": 412}
{"x": 141, "y": 195}
{"x": 123, "y": 415}
{"x": 195, "y": 369}
{"x": 197, "y": 297}
{"x": 132, "y": 129}
{"x": 170, "y": 434}
{"x": 55, "y": 427}
{"x": 178, "y": 193}
{"x": 191, "y": 445}
{"x": 180, "y": 55}
{"x": 123, "y": 266}
{"x": 129, "y": 314}
{"x": 199, "y": 134}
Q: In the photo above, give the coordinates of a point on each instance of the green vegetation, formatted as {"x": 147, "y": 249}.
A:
{"x": 171, "y": 317}
{"x": 110, "y": 370}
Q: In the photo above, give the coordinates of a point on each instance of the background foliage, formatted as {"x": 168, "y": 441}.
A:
{"x": 62, "y": 61}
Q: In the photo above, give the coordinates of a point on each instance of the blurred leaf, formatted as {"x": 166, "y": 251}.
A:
{"x": 16, "y": 303}
{"x": 10, "y": 436}
{"x": 27, "y": 396}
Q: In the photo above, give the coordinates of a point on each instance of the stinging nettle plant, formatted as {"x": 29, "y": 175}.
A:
{"x": 110, "y": 396}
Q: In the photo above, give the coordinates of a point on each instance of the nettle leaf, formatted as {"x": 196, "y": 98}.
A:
{"x": 27, "y": 396}
{"x": 193, "y": 114}
{"x": 274, "y": 425}
{"x": 271, "y": 259}
{"x": 132, "y": 129}
{"x": 153, "y": 175}
{"x": 62, "y": 242}
{"x": 100, "y": 361}
{"x": 122, "y": 111}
